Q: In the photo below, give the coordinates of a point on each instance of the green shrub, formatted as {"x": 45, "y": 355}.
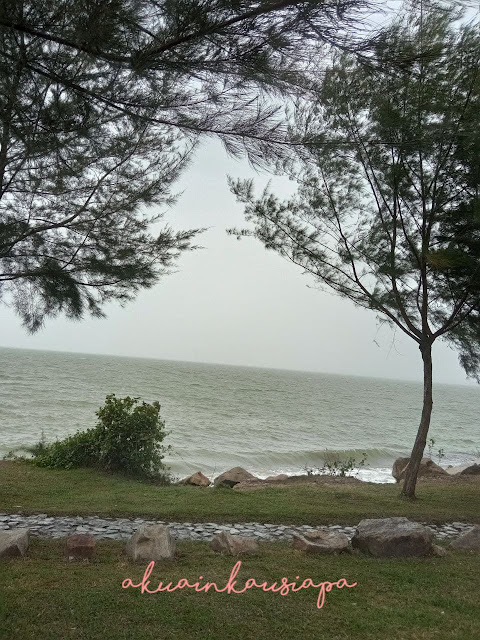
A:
{"x": 127, "y": 439}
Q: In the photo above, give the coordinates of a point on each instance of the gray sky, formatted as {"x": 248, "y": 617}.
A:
{"x": 235, "y": 303}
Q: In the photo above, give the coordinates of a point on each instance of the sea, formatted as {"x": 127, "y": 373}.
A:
{"x": 268, "y": 421}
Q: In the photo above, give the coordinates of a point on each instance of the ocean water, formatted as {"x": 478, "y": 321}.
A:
{"x": 268, "y": 421}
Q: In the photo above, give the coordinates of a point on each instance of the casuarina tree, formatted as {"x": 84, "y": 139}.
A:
{"x": 102, "y": 104}
{"x": 387, "y": 211}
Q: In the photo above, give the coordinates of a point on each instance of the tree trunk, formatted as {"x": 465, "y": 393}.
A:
{"x": 413, "y": 466}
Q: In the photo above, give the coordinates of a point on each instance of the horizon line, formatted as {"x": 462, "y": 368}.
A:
{"x": 226, "y": 364}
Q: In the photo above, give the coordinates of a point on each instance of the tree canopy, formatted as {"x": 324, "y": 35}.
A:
{"x": 192, "y": 65}
{"x": 102, "y": 104}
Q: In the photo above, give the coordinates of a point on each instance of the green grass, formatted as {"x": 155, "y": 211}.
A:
{"x": 43, "y": 596}
{"x": 30, "y": 489}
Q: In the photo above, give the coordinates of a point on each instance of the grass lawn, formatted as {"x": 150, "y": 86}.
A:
{"x": 28, "y": 489}
{"x": 43, "y": 596}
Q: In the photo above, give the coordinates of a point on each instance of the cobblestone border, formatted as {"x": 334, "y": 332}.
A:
{"x": 42, "y": 525}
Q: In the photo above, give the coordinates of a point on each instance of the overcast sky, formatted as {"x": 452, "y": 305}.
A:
{"x": 233, "y": 302}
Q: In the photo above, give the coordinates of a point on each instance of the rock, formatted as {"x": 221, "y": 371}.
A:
{"x": 321, "y": 542}
{"x": 427, "y": 468}
{"x": 225, "y": 542}
{"x": 473, "y": 470}
{"x": 439, "y": 551}
{"x": 232, "y": 477}
{"x": 399, "y": 466}
{"x": 393, "y": 537}
{"x": 469, "y": 541}
{"x": 151, "y": 542}
{"x": 281, "y": 476}
{"x": 80, "y": 546}
{"x": 197, "y": 480}
{"x": 454, "y": 470}
{"x": 13, "y": 543}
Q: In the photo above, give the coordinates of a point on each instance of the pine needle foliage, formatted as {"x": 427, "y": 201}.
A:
{"x": 387, "y": 213}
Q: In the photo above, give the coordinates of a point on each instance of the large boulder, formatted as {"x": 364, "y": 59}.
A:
{"x": 321, "y": 542}
{"x": 13, "y": 543}
{"x": 151, "y": 542}
{"x": 472, "y": 470}
{"x": 427, "y": 468}
{"x": 80, "y": 546}
{"x": 393, "y": 538}
{"x": 469, "y": 541}
{"x": 232, "y": 477}
{"x": 196, "y": 479}
{"x": 225, "y": 542}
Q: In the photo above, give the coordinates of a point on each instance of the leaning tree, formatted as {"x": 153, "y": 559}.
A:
{"x": 387, "y": 212}
{"x": 101, "y": 105}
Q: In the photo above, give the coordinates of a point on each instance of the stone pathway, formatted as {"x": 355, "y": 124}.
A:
{"x": 122, "y": 528}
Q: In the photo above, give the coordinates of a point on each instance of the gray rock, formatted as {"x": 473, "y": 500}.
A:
{"x": 196, "y": 479}
{"x": 151, "y": 542}
{"x": 468, "y": 541}
{"x": 393, "y": 537}
{"x": 13, "y": 543}
{"x": 233, "y": 545}
{"x": 321, "y": 542}
{"x": 232, "y": 477}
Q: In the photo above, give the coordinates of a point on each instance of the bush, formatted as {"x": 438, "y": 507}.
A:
{"x": 127, "y": 439}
